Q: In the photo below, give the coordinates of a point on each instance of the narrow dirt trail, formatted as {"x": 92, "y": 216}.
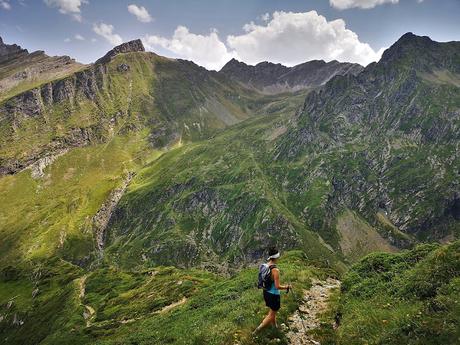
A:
{"x": 89, "y": 311}
{"x": 306, "y": 318}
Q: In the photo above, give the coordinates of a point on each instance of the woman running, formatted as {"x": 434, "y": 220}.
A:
{"x": 272, "y": 294}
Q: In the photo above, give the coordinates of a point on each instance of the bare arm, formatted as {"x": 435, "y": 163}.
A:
{"x": 276, "y": 279}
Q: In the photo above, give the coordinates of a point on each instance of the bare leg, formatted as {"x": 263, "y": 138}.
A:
{"x": 270, "y": 319}
{"x": 274, "y": 318}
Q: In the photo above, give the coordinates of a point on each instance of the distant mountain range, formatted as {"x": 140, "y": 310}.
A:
{"x": 112, "y": 169}
{"x": 355, "y": 136}
{"x": 268, "y": 77}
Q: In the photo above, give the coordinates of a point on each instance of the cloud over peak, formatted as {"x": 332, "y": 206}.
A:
{"x": 207, "y": 50}
{"x": 140, "y": 12}
{"x": 107, "y": 31}
{"x": 291, "y": 38}
{"x": 71, "y": 7}
{"x": 283, "y": 37}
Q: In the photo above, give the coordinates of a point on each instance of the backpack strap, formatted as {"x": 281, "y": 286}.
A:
{"x": 270, "y": 267}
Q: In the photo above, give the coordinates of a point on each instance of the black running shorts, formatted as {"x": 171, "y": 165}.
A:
{"x": 272, "y": 301}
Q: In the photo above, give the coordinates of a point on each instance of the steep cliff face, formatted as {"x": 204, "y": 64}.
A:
{"x": 128, "y": 89}
{"x": 21, "y": 70}
{"x": 388, "y": 138}
{"x": 127, "y": 47}
{"x": 10, "y": 51}
{"x": 276, "y": 78}
{"x": 37, "y": 106}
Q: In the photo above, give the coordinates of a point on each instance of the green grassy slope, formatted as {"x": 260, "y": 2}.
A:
{"x": 52, "y": 215}
{"x": 214, "y": 201}
{"x": 387, "y": 140}
{"x": 406, "y": 298}
{"x": 175, "y": 100}
{"x": 222, "y": 173}
{"x": 118, "y": 116}
{"x": 110, "y": 306}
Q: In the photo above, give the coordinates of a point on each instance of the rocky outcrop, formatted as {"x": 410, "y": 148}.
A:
{"x": 75, "y": 137}
{"x": 275, "y": 78}
{"x": 127, "y": 47}
{"x": 102, "y": 217}
{"x": 422, "y": 53}
{"x": 37, "y": 102}
{"x": 11, "y": 51}
{"x": 38, "y": 167}
{"x": 19, "y": 67}
{"x": 390, "y": 136}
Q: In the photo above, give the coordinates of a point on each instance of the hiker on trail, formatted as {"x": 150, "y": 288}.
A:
{"x": 269, "y": 280}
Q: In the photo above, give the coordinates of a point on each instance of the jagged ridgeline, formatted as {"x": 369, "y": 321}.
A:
{"x": 126, "y": 90}
{"x": 70, "y": 145}
{"x": 385, "y": 143}
{"x": 111, "y": 171}
{"x": 370, "y": 162}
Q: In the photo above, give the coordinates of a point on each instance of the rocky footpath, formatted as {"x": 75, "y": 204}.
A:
{"x": 307, "y": 317}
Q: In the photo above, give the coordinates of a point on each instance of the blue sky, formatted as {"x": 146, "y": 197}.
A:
{"x": 210, "y": 32}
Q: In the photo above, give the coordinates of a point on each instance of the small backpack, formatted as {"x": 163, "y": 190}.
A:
{"x": 265, "y": 276}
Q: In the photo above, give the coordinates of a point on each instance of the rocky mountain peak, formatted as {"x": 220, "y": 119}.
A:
{"x": 406, "y": 43}
{"x": 421, "y": 53}
{"x": 272, "y": 77}
{"x": 10, "y": 51}
{"x": 233, "y": 62}
{"x": 127, "y": 47}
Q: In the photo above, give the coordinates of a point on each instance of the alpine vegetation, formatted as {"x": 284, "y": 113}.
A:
{"x": 145, "y": 199}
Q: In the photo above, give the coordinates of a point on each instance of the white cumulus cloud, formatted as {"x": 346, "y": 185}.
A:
{"x": 292, "y": 38}
{"x": 79, "y": 37}
{"x": 206, "y": 50}
{"x": 265, "y": 17}
{"x": 140, "y": 12}
{"x": 71, "y": 7}
{"x": 365, "y": 4}
{"x": 5, "y": 4}
{"x": 282, "y": 37}
{"x": 106, "y": 31}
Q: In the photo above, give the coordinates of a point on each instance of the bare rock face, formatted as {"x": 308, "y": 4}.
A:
{"x": 123, "y": 67}
{"x": 19, "y": 67}
{"x": 127, "y": 47}
{"x": 275, "y": 78}
{"x": 10, "y": 51}
{"x": 103, "y": 215}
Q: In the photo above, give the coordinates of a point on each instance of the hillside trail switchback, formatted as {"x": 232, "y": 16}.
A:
{"x": 306, "y": 318}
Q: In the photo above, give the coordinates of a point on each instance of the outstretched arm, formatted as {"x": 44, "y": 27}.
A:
{"x": 276, "y": 279}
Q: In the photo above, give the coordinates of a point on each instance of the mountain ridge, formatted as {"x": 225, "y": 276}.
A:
{"x": 397, "y": 111}
{"x": 140, "y": 192}
{"x": 21, "y": 70}
{"x": 269, "y": 77}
